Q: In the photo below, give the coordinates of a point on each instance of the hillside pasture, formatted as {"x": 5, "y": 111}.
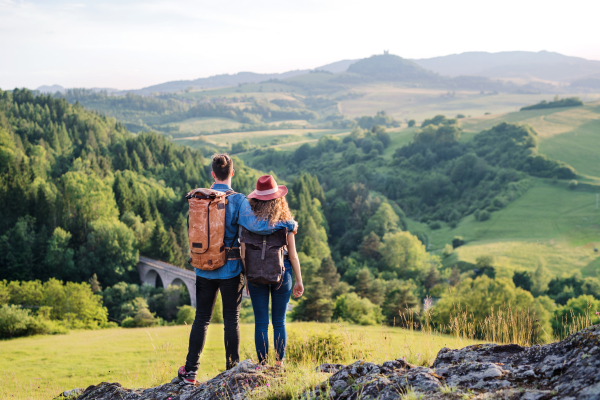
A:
{"x": 548, "y": 222}
{"x": 420, "y": 103}
{"x": 147, "y": 357}
{"x": 579, "y": 147}
{"x": 571, "y": 134}
{"x": 197, "y": 126}
{"x": 261, "y": 138}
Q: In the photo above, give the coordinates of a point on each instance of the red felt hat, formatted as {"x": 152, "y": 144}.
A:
{"x": 267, "y": 189}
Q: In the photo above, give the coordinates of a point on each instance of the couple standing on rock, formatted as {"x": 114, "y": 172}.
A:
{"x": 234, "y": 242}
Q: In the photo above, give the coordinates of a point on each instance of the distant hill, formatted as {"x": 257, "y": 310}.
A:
{"x": 51, "y": 89}
{"x": 337, "y": 67}
{"x": 543, "y": 65}
{"x": 57, "y": 88}
{"x": 389, "y": 67}
{"x": 216, "y": 81}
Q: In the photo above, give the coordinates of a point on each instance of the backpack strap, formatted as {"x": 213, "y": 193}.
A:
{"x": 227, "y": 194}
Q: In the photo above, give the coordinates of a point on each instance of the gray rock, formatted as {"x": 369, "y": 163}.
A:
{"x": 72, "y": 392}
{"x": 235, "y": 384}
{"x": 566, "y": 370}
{"x": 328, "y": 368}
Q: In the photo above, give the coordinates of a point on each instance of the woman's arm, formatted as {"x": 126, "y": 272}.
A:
{"x": 293, "y": 254}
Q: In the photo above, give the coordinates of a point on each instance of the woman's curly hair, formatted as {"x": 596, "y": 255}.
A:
{"x": 274, "y": 211}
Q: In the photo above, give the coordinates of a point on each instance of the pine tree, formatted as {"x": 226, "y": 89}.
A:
{"x": 174, "y": 250}
{"x": 363, "y": 282}
{"x": 399, "y": 304}
{"x": 454, "y": 278}
{"x": 316, "y": 304}
{"x": 370, "y": 246}
{"x": 329, "y": 273}
{"x": 376, "y": 292}
{"x": 95, "y": 284}
{"x": 541, "y": 278}
{"x": 160, "y": 243}
{"x": 432, "y": 277}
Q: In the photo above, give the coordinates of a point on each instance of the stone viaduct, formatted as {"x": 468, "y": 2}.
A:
{"x": 169, "y": 275}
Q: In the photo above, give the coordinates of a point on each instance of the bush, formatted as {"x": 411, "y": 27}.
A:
{"x": 435, "y": 225}
{"x": 16, "y": 321}
{"x": 494, "y": 309}
{"x": 186, "y": 315}
{"x": 484, "y": 216}
{"x": 448, "y": 249}
{"x": 573, "y": 184}
{"x": 316, "y": 348}
{"x": 457, "y": 241}
{"x": 577, "y": 314}
{"x": 351, "y": 308}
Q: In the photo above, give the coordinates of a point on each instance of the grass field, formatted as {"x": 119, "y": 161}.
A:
{"x": 196, "y": 126}
{"x": 42, "y": 367}
{"x": 418, "y": 103}
{"x": 549, "y": 222}
{"x": 269, "y": 138}
{"x": 570, "y": 134}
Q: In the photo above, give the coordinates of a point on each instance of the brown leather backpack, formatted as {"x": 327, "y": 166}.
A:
{"x": 265, "y": 256}
{"x": 206, "y": 229}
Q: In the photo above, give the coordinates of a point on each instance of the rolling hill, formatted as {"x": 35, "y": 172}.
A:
{"x": 517, "y": 65}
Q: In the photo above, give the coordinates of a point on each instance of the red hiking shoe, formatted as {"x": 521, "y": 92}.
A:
{"x": 188, "y": 378}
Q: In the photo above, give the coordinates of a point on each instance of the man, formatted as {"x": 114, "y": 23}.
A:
{"x": 228, "y": 279}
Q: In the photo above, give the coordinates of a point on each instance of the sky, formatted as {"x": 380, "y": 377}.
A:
{"x": 129, "y": 44}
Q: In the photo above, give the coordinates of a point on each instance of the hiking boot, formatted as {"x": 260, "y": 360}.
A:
{"x": 189, "y": 378}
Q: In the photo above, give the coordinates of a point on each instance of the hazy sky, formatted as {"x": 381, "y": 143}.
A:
{"x": 129, "y": 44}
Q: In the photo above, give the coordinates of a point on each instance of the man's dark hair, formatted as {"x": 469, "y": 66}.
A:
{"x": 222, "y": 165}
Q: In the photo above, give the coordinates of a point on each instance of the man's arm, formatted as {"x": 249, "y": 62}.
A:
{"x": 261, "y": 226}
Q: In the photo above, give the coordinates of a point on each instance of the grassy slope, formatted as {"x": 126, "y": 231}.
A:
{"x": 549, "y": 222}
{"x": 150, "y": 356}
{"x": 196, "y": 126}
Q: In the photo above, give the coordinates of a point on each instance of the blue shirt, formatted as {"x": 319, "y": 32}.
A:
{"x": 238, "y": 212}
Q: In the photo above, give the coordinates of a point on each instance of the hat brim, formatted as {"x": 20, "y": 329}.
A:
{"x": 280, "y": 193}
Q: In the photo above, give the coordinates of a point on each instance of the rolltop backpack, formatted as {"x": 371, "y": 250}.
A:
{"x": 206, "y": 229}
{"x": 265, "y": 256}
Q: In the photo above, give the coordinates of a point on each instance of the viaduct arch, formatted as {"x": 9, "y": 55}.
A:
{"x": 169, "y": 275}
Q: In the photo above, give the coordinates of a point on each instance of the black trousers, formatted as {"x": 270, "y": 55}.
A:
{"x": 206, "y": 295}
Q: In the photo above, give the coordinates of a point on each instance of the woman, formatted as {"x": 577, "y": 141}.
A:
{"x": 268, "y": 202}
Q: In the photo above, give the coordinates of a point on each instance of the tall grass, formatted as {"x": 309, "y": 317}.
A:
{"x": 572, "y": 323}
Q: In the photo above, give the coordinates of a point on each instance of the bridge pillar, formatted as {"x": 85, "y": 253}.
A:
{"x": 169, "y": 275}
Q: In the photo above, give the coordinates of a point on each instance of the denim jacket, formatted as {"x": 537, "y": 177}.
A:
{"x": 238, "y": 212}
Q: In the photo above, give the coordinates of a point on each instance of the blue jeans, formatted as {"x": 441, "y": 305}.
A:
{"x": 259, "y": 294}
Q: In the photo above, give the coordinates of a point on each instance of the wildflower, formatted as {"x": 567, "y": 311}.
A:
{"x": 268, "y": 385}
{"x": 597, "y": 312}
{"x": 404, "y": 358}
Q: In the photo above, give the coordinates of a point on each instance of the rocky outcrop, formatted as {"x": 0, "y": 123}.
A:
{"x": 568, "y": 370}
{"x": 233, "y": 384}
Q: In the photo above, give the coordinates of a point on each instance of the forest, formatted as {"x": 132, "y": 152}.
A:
{"x": 81, "y": 198}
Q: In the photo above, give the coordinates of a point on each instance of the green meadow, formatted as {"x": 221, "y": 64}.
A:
{"x": 268, "y": 138}
{"x": 549, "y": 223}
{"x": 41, "y": 367}
{"x": 196, "y": 126}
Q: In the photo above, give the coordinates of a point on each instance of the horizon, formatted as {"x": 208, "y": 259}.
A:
{"x": 280, "y": 72}
{"x": 139, "y": 44}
